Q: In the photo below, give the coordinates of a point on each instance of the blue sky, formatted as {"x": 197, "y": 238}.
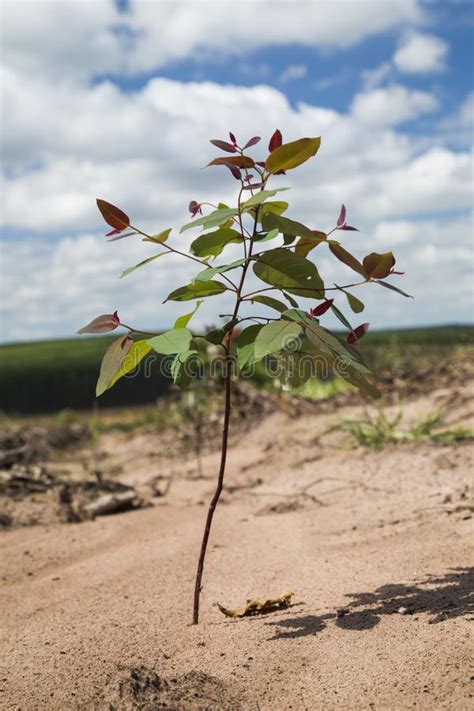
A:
{"x": 122, "y": 104}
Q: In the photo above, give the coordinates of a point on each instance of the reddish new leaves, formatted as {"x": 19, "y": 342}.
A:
{"x": 322, "y": 308}
{"x": 195, "y": 208}
{"x": 113, "y": 216}
{"x": 102, "y": 324}
{"x": 252, "y": 142}
{"x": 341, "y": 221}
{"x": 342, "y": 216}
{"x": 357, "y": 333}
{"x": 275, "y": 141}
{"x": 224, "y": 146}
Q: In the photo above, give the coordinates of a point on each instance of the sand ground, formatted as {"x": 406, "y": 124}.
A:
{"x": 95, "y": 615}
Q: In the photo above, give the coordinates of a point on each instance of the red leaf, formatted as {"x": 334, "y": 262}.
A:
{"x": 235, "y": 172}
{"x": 239, "y": 161}
{"x": 232, "y": 138}
{"x": 261, "y": 163}
{"x": 357, "y": 333}
{"x": 252, "y": 141}
{"x": 113, "y": 216}
{"x": 254, "y": 186}
{"x": 342, "y": 216}
{"x": 275, "y": 141}
{"x": 322, "y": 308}
{"x": 349, "y": 227}
{"x": 194, "y": 207}
{"x": 102, "y": 324}
{"x": 224, "y": 146}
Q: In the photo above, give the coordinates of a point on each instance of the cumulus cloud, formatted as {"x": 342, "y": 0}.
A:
{"x": 372, "y": 78}
{"x": 421, "y": 54}
{"x": 392, "y": 105}
{"x": 37, "y": 40}
{"x": 144, "y": 151}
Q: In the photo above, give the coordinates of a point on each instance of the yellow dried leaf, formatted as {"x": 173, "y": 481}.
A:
{"x": 259, "y": 607}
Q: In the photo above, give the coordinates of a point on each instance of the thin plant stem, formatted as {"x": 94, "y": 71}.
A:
{"x": 183, "y": 254}
{"x": 225, "y": 432}
{"x": 218, "y": 491}
{"x": 248, "y": 297}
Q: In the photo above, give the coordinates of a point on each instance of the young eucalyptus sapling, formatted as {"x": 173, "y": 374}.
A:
{"x": 278, "y": 250}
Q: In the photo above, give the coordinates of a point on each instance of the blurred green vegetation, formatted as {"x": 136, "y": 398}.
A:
{"x": 50, "y": 376}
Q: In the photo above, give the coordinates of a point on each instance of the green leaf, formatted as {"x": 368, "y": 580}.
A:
{"x": 209, "y": 272}
{"x": 286, "y": 226}
{"x": 324, "y": 363}
{"x": 340, "y": 316}
{"x": 270, "y": 302}
{"x": 194, "y": 290}
{"x": 326, "y": 341}
{"x": 161, "y": 237}
{"x": 171, "y": 342}
{"x": 291, "y": 155}
{"x": 393, "y": 288}
{"x": 111, "y": 362}
{"x": 136, "y": 354}
{"x": 356, "y": 304}
{"x": 181, "y": 370}
{"x": 260, "y": 197}
{"x": 294, "y": 369}
{"x": 331, "y": 345}
{"x": 217, "y": 217}
{"x": 275, "y": 207}
{"x": 346, "y": 257}
{"x": 291, "y": 300}
{"x": 378, "y": 266}
{"x": 182, "y": 321}
{"x": 285, "y": 270}
{"x": 306, "y": 244}
{"x": 246, "y": 345}
{"x": 217, "y": 334}
{"x": 129, "y": 270}
{"x": 275, "y": 336}
{"x": 268, "y": 236}
{"x": 211, "y": 244}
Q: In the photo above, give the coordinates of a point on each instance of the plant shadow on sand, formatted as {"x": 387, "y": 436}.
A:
{"x": 440, "y": 597}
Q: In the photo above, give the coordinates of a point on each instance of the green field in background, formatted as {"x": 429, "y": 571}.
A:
{"x": 52, "y": 375}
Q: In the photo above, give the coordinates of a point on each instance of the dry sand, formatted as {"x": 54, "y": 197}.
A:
{"x": 96, "y": 615}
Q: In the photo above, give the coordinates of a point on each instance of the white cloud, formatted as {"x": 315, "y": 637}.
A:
{"x": 466, "y": 112}
{"x": 292, "y": 72}
{"x": 372, "y": 78}
{"x": 421, "y": 54}
{"x": 143, "y": 150}
{"x": 457, "y": 128}
{"x": 77, "y": 39}
{"x": 391, "y": 106}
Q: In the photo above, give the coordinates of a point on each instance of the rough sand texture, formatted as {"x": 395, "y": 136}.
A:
{"x": 95, "y": 615}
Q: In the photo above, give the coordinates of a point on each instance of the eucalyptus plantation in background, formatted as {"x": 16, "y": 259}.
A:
{"x": 279, "y": 252}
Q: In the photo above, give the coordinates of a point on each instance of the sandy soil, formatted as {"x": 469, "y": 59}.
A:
{"x": 377, "y": 547}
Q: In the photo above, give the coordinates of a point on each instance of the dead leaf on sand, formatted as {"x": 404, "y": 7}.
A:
{"x": 259, "y": 607}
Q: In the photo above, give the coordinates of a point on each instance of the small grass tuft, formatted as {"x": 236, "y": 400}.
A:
{"x": 379, "y": 430}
